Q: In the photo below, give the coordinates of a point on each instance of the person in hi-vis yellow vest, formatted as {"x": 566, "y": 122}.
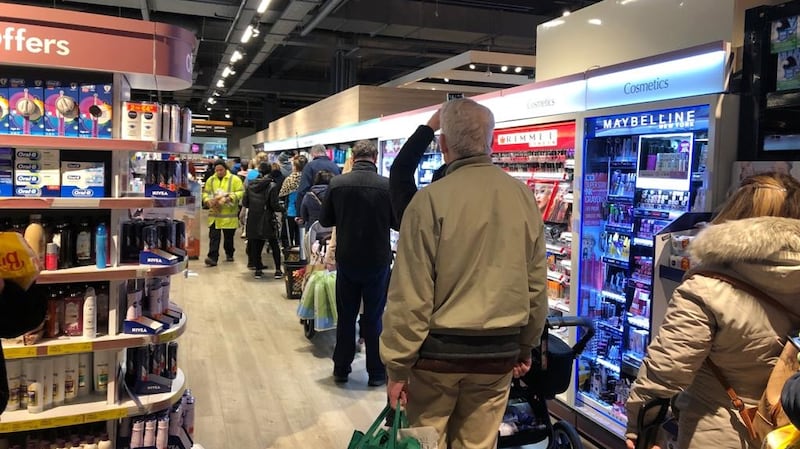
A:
{"x": 222, "y": 193}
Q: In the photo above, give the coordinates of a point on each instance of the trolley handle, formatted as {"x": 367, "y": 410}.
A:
{"x": 554, "y": 322}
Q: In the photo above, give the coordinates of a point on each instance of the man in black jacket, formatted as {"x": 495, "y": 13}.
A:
{"x": 401, "y": 176}
{"x": 358, "y": 204}
{"x": 319, "y": 161}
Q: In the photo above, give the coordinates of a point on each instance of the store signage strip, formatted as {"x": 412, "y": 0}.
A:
{"x": 685, "y": 77}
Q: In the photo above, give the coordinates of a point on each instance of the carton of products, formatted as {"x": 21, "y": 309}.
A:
{"x": 62, "y": 113}
{"x": 26, "y": 107}
{"x": 4, "y": 106}
{"x": 783, "y": 34}
{"x": 82, "y": 179}
{"x": 36, "y": 173}
{"x": 96, "y": 110}
{"x": 6, "y": 172}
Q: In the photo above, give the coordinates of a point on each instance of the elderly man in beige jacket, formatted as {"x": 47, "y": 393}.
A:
{"x": 467, "y": 299}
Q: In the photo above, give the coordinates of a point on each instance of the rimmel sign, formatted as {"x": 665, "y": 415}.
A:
{"x": 534, "y": 139}
{"x": 544, "y": 137}
{"x": 15, "y": 39}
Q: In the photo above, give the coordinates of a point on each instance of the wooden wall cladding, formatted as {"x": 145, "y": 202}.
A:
{"x": 348, "y": 107}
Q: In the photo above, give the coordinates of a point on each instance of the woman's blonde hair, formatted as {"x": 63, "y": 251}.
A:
{"x": 763, "y": 195}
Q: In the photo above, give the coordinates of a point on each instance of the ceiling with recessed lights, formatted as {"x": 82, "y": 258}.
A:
{"x": 258, "y": 60}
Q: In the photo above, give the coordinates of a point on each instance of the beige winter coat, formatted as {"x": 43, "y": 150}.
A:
{"x": 707, "y": 318}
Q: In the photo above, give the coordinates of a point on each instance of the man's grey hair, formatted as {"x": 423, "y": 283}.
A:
{"x": 468, "y": 127}
{"x": 318, "y": 150}
{"x": 364, "y": 149}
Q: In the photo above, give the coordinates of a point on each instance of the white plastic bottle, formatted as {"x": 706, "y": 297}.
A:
{"x": 71, "y": 363}
{"x": 91, "y": 443}
{"x": 137, "y": 434}
{"x": 35, "y": 388}
{"x": 162, "y": 433}
{"x": 58, "y": 380}
{"x": 90, "y": 314}
{"x": 102, "y": 371}
{"x": 150, "y": 432}
{"x": 104, "y": 442}
{"x": 46, "y": 380}
{"x": 14, "y": 370}
{"x": 84, "y": 374}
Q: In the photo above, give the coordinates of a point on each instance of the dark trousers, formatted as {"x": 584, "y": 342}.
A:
{"x": 254, "y": 249}
{"x": 213, "y": 242}
{"x": 352, "y": 285}
{"x": 290, "y": 233}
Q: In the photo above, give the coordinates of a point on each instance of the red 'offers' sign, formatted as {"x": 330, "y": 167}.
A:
{"x": 539, "y": 137}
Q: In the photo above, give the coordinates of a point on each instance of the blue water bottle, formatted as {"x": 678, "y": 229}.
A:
{"x": 100, "y": 238}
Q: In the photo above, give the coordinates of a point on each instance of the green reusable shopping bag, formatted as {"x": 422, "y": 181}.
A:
{"x": 377, "y": 438}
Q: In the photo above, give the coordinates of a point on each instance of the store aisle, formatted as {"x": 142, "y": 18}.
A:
{"x": 259, "y": 383}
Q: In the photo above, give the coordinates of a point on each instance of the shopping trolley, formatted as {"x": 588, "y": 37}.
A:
{"x": 550, "y": 374}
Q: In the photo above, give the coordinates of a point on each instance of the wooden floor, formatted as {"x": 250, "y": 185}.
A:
{"x": 258, "y": 382}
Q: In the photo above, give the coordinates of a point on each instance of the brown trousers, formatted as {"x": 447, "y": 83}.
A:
{"x": 466, "y": 409}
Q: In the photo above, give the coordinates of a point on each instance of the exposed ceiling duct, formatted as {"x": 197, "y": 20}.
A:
{"x": 291, "y": 17}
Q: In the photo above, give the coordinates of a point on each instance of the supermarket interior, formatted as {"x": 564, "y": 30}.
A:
{"x": 629, "y": 131}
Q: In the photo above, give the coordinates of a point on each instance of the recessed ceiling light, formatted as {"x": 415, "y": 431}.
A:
{"x": 504, "y": 68}
{"x": 595, "y": 22}
{"x": 472, "y": 66}
{"x": 248, "y": 33}
{"x": 227, "y": 116}
{"x": 226, "y": 71}
{"x": 554, "y": 23}
{"x": 262, "y": 7}
{"x": 208, "y": 109}
{"x": 518, "y": 70}
{"x": 220, "y": 83}
{"x": 237, "y": 55}
{"x": 566, "y": 13}
{"x": 447, "y": 80}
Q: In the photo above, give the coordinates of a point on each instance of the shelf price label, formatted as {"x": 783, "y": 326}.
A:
{"x": 63, "y": 421}
{"x": 107, "y": 415}
{"x": 70, "y": 348}
{"x": 167, "y": 337}
{"x": 22, "y": 352}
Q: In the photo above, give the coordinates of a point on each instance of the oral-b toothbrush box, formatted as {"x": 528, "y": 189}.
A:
{"x": 6, "y": 172}
{"x": 82, "y": 179}
{"x": 4, "y": 106}
{"x": 96, "y": 110}
{"x": 26, "y": 107}
{"x": 62, "y": 111}
{"x": 37, "y": 173}
{"x": 788, "y": 70}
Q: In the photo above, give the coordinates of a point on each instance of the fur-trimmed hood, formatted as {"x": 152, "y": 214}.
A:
{"x": 748, "y": 240}
{"x": 763, "y": 251}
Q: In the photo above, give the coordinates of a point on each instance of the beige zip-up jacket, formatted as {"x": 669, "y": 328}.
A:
{"x": 470, "y": 260}
{"x": 709, "y": 319}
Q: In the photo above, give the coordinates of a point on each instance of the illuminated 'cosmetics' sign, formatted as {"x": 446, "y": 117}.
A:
{"x": 685, "y": 77}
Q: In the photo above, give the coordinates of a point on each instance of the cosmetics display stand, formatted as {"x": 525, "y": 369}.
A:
{"x": 136, "y": 55}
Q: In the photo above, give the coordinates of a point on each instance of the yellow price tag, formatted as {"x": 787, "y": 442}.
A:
{"x": 22, "y": 352}
{"x": 167, "y": 337}
{"x": 106, "y": 415}
{"x": 63, "y": 421}
{"x": 19, "y": 426}
{"x": 70, "y": 348}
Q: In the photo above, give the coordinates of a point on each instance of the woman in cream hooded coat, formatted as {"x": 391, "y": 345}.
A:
{"x": 755, "y": 238}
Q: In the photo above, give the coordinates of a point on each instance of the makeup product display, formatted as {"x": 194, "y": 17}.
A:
{"x": 636, "y": 181}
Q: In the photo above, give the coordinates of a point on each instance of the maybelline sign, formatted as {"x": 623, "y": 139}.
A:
{"x": 685, "y": 77}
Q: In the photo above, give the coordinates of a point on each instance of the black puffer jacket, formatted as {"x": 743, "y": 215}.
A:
{"x": 261, "y": 201}
{"x": 20, "y": 312}
{"x": 358, "y": 204}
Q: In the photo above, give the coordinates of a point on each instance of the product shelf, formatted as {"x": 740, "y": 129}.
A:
{"x": 95, "y": 203}
{"x": 89, "y": 144}
{"x": 90, "y": 409}
{"x": 120, "y": 273}
{"x": 76, "y": 345}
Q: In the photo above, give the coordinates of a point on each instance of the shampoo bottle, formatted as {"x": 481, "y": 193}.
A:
{"x": 58, "y": 379}
{"x": 35, "y": 388}
{"x": 71, "y": 363}
{"x": 104, "y": 442}
{"x": 150, "y": 432}
{"x": 102, "y": 370}
{"x": 83, "y": 243}
{"x": 162, "y": 433}
{"x": 90, "y": 314}
{"x": 84, "y": 374}
{"x": 14, "y": 371}
{"x": 100, "y": 245}
{"x": 46, "y": 380}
